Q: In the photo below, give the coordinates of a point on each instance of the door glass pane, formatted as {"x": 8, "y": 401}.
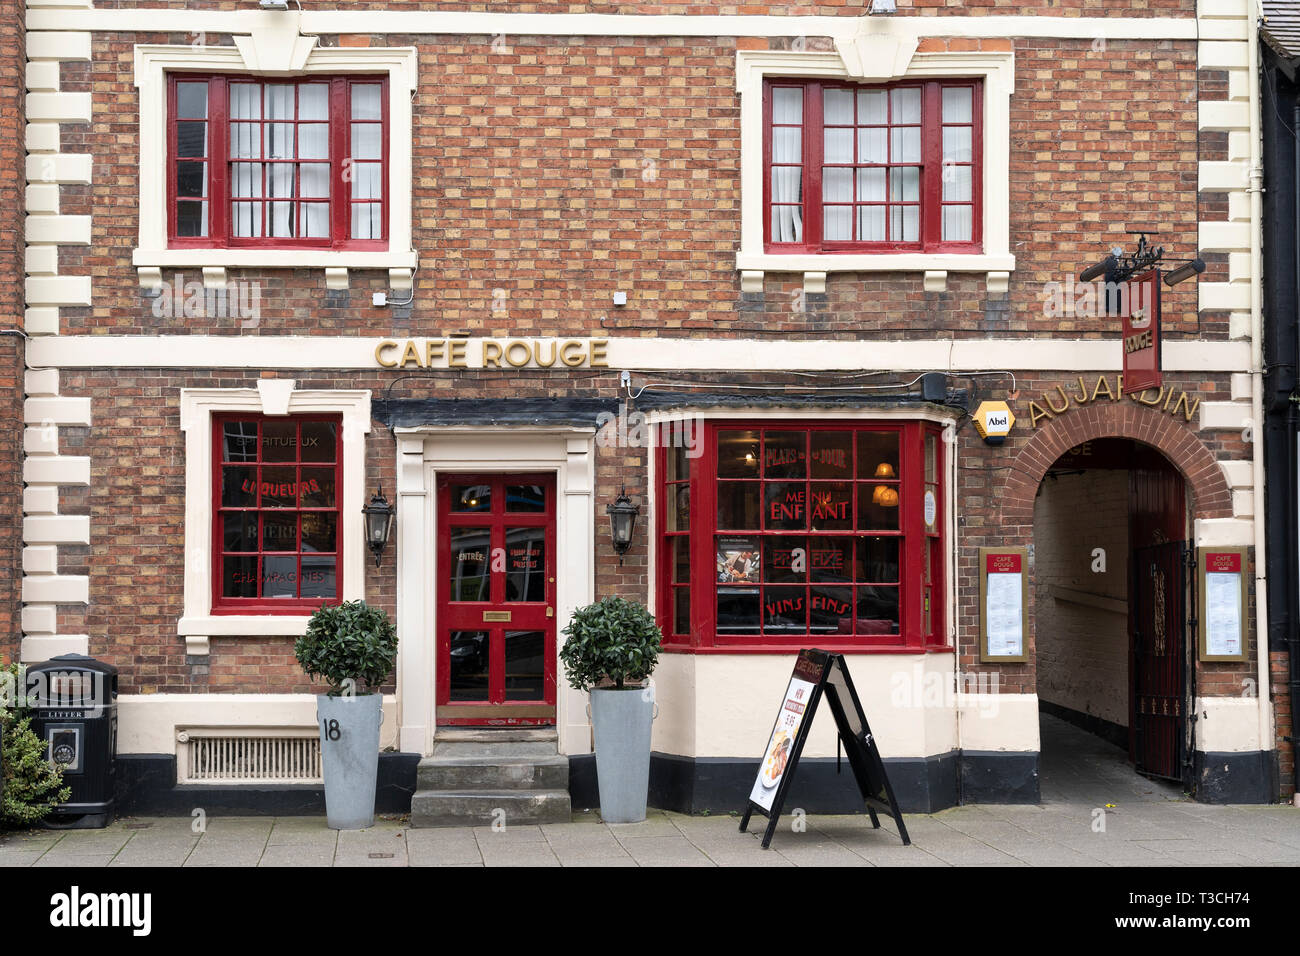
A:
{"x": 525, "y": 498}
{"x": 785, "y": 558}
{"x": 469, "y": 564}
{"x": 471, "y": 498}
{"x": 525, "y": 653}
{"x": 525, "y": 564}
{"x": 469, "y": 665}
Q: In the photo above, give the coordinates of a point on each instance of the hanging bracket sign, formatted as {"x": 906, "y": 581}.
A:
{"x": 817, "y": 674}
{"x": 1140, "y": 320}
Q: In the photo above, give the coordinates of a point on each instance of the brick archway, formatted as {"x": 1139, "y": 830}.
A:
{"x": 1211, "y": 497}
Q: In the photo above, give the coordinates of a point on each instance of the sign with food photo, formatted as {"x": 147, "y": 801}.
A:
{"x": 776, "y": 757}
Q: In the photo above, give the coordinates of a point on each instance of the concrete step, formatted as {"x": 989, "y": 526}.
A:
{"x": 495, "y": 748}
{"x": 494, "y": 772}
{"x": 495, "y": 734}
{"x": 451, "y": 808}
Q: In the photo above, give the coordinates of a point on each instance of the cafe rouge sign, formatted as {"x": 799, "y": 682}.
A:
{"x": 460, "y": 352}
{"x": 1058, "y": 399}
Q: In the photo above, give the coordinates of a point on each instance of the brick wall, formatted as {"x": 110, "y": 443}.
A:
{"x": 12, "y": 125}
{"x": 553, "y": 174}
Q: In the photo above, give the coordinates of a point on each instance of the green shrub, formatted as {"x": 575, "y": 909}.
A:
{"x": 32, "y": 785}
{"x": 612, "y": 640}
{"x": 348, "y": 642}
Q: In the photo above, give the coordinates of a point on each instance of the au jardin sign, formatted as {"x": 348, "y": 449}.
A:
{"x": 1059, "y": 399}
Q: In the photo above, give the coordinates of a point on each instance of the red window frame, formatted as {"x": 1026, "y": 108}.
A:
{"x": 692, "y": 499}
{"x": 217, "y": 189}
{"x": 222, "y": 604}
{"x": 931, "y": 185}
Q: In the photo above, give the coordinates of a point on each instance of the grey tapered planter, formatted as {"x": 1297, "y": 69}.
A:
{"x": 621, "y": 721}
{"x": 349, "y": 744}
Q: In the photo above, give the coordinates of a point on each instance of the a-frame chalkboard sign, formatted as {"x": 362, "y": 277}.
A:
{"x": 818, "y": 673}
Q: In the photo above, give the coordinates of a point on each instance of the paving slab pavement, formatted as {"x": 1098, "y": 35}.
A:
{"x": 1095, "y": 812}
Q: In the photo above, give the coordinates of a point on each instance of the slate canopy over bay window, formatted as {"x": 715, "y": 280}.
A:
{"x": 790, "y": 534}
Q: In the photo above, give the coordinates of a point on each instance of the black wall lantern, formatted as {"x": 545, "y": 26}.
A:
{"x": 622, "y": 521}
{"x": 379, "y": 523}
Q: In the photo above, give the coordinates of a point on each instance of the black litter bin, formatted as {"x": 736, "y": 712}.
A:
{"x": 73, "y": 704}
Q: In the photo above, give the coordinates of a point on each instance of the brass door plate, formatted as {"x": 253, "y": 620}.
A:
{"x": 499, "y": 616}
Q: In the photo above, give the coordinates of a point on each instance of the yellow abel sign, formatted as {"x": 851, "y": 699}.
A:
{"x": 993, "y": 420}
{"x": 452, "y": 352}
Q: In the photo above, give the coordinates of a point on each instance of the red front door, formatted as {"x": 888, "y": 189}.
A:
{"x": 496, "y": 599}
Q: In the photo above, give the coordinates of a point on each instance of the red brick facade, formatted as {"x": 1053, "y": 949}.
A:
{"x": 551, "y": 172}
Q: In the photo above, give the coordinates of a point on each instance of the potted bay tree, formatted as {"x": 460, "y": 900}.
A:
{"x": 352, "y": 647}
{"x": 612, "y": 647}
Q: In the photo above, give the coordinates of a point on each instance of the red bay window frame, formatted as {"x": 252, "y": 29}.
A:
{"x": 222, "y": 605}
{"x": 931, "y": 193}
{"x": 912, "y": 538}
{"x": 220, "y": 201}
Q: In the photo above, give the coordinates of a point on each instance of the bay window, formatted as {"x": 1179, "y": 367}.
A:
{"x": 790, "y": 534}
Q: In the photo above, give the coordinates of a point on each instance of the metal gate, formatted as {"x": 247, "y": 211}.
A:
{"x": 1160, "y": 593}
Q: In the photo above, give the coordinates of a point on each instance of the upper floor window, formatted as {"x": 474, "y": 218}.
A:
{"x": 890, "y": 168}
{"x": 299, "y": 163}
